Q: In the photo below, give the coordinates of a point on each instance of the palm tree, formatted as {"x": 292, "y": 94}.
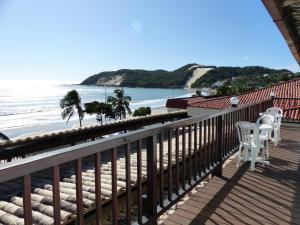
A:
{"x": 69, "y": 104}
{"x": 100, "y": 109}
{"x": 3, "y": 137}
{"x": 120, "y": 103}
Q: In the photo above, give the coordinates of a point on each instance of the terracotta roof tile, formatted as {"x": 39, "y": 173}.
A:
{"x": 289, "y": 89}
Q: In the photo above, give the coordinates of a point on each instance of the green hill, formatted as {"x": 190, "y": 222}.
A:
{"x": 144, "y": 78}
{"x": 239, "y": 77}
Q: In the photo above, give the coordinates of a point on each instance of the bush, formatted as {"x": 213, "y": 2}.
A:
{"x": 142, "y": 111}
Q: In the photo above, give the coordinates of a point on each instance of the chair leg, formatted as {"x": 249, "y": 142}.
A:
{"x": 253, "y": 158}
{"x": 239, "y": 156}
{"x": 267, "y": 148}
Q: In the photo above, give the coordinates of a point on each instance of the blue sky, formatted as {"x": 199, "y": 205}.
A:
{"x": 72, "y": 39}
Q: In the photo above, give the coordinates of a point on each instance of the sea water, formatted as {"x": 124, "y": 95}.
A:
{"x": 32, "y": 107}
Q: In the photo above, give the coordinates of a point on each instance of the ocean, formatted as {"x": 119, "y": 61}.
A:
{"x": 32, "y": 107}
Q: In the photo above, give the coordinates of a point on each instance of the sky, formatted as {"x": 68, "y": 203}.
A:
{"x": 73, "y": 39}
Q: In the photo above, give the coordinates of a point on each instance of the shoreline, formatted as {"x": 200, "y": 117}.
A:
{"x": 44, "y": 129}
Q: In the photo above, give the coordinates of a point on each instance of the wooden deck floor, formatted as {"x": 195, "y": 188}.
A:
{"x": 269, "y": 195}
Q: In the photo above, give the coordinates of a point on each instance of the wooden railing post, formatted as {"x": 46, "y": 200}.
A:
{"x": 220, "y": 148}
{"x": 152, "y": 178}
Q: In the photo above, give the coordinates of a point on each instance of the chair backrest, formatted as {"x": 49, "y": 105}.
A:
{"x": 276, "y": 112}
{"x": 247, "y": 131}
{"x": 265, "y": 119}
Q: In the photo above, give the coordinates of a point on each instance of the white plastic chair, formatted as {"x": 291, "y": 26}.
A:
{"x": 250, "y": 145}
{"x": 265, "y": 132}
{"x": 278, "y": 114}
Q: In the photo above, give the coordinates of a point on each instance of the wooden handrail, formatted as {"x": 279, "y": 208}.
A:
{"x": 21, "y": 147}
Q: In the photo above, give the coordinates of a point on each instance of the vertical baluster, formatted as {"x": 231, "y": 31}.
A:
{"x": 79, "y": 197}
{"x": 206, "y": 162}
{"x": 201, "y": 151}
{"x": 213, "y": 142}
{"x": 195, "y": 151}
{"x": 209, "y": 143}
{"x": 152, "y": 176}
{"x": 139, "y": 180}
{"x": 177, "y": 160}
{"x": 27, "y": 200}
{"x": 183, "y": 158}
{"x": 161, "y": 170}
{"x": 128, "y": 185}
{"x": 115, "y": 207}
{"x": 228, "y": 133}
{"x": 98, "y": 188}
{"x": 170, "y": 165}
{"x": 232, "y": 130}
{"x": 223, "y": 135}
{"x": 190, "y": 155}
{"x": 56, "y": 195}
{"x": 219, "y": 148}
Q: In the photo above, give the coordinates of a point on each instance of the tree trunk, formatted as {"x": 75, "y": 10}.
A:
{"x": 80, "y": 121}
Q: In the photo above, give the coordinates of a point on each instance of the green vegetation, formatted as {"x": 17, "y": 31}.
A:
{"x": 100, "y": 109}
{"x": 3, "y": 137}
{"x": 120, "y": 103}
{"x": 197, "y": 94}
{"x": 226, "y": 80}
{"x": 116, "y": 107}
{"x": 248, "y": 73}
{"x": 145, "y": 78}
{"x": 142, "y": 111}
{"x": 71, "y": 103}
{"x": 236, "y": 80}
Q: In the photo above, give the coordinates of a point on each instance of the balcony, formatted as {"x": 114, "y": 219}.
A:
{"x": 138, "y": 176}
{"x": 269, "y": 195}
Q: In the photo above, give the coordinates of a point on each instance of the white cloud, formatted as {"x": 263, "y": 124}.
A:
{"x": 137, "y": 27}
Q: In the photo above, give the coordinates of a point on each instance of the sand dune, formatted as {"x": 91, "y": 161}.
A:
{"x": 196, "y": 75}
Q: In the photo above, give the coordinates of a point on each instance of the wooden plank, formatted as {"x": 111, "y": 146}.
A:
{"x": 170, "y": 165}
{"x": 98, "y": 189}
{"x": 139, "y": 181}
{"x": 152, "y": 176}
{"x": 177, "y": 161}
{"x": 196, "y": 151}
{"x": 56, "y": 195}
{"x": 128, "y": 184}
{"x": 27, "y": 200}
{"x": 161, "y": 170}
{"x": 79, "y": 197}
{"x": 190, "y": 155}
{"x": 115, "y": 208}
{"x": 183, "y": 158}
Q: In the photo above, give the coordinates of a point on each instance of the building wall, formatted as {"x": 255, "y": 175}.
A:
{"x": 195, "y": 111}
{"x": 169, "y": 109}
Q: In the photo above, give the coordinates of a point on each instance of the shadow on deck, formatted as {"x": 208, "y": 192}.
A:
{"x": 269, "y": 195}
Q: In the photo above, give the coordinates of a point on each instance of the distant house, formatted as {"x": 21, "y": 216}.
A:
{"x": 175, "y": 104}
{"x": 289, "y": 90}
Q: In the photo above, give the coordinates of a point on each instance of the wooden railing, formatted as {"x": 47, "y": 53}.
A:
{"x": 291, "y": 109}
{"x": 179, "y": 155}
{"x": 28, "y": 146}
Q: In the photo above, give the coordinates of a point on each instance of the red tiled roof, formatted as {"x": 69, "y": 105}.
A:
{"x": 288, "y": 89}
{"x": 292, "y": 113}
{"x": 182, "y": 103}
